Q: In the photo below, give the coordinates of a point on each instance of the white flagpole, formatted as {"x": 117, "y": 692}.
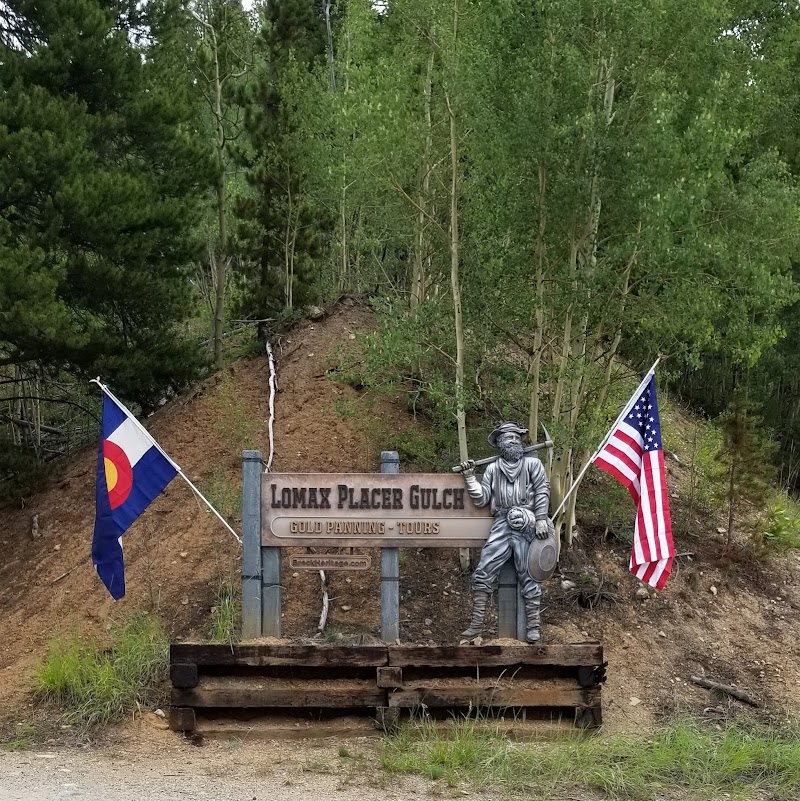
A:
{"x": 180, "y": 472}
{"x": 602, "y": 445}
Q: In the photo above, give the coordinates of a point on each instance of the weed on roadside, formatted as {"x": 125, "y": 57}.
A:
{"x": 737, "y": 762}
{"x": 96, "y": 686}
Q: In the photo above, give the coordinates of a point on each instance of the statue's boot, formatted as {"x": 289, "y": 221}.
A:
{"x": 479, "y": 602}
{"x": 533, "y": 619}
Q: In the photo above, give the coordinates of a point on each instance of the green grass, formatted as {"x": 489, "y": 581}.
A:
{"x": 781, "y": 528}
{"x": 744, "y": 763}
{"x": 233, "y": 423}
{"x": 24, "y": 737}
{"x": 225, "y": 612}
{"x": 224, "y": 494}
{"x": 96, "y": 686}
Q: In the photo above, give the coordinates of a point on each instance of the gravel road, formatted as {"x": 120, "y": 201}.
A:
{"x": 171, "y": 770}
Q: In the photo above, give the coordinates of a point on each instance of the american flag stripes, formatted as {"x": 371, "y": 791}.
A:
{"x": 633, "y": 454}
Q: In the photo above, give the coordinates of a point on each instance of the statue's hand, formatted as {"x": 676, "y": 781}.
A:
{"x": 516, "y": 518}
{"x": 542, "y": 529}
{"x": 468, "y": 468}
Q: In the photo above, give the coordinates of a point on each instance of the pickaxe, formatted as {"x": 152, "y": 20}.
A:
{"x": 539, "y": 446}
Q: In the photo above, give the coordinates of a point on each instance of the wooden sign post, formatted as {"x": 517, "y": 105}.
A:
{"x": 386, "y": 510}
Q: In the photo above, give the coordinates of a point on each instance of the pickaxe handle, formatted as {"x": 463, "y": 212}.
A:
{"x": 539, "y": 446}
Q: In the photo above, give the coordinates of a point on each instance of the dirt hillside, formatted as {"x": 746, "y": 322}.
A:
{"x": 735, "y": 621}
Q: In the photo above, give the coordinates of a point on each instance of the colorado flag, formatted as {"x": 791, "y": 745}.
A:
{"x": 131, "y": 471}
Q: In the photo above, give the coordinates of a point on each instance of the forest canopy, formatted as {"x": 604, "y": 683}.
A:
{"x": 539, "y": 198}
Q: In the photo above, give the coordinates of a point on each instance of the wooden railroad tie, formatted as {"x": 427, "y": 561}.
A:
{"x": 387, "y": 679}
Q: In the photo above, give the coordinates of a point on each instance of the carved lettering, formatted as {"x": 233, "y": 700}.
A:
{"x": 324, "y": 500}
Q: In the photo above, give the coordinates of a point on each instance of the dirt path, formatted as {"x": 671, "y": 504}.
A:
{"x": 173, "y": 769}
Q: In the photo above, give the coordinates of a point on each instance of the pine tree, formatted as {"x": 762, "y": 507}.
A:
{"x": 96, "y": 223}
{"x": 280, "y": 232}
{"x": 745, "y": 458}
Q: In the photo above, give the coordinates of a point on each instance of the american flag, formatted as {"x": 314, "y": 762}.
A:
{"x": 633, "y": 454}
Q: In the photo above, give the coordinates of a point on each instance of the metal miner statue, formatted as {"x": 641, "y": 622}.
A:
{"x": 517, "y": 489}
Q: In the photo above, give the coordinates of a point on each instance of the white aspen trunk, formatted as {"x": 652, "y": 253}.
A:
{"x": 421, "y": 257}
{"x": 563, "y": 358}
{"x": 455, "y": 282}
{"x": 221, "y": 277}
{"x": 287, "y": 267}
{"x": 536, "y": 356}
{"x": 343, "y": 223}
{"x": 577, "y": 348}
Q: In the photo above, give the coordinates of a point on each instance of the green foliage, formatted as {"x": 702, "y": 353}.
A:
{"x": 22, "y": 469}
{"x": 97, "y": 231}
{"x": 226, "y": 612}
{"x": 95, "y": 686}
{"x": 744, "y": 762}
{"x": 224, "y": 494}
{"x": 233, "y": 423}
{"x": 780, "y": 530}
{"x": 280, "y": 225}
{"x": 745, "y": 458}
{"x": 706, "y": 485}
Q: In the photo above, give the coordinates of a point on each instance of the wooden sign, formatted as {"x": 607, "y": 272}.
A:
{"x": 374, "y": 510}
{"x": 330, "y": 561}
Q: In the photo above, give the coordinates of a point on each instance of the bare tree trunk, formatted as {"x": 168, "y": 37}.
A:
{"x": 343, "y": 222}
{"x": 330, "y": 43}
{"x": 222, "y": 258}
{"x": 419, "y": 278}
{"x": 731, "y": 504}
{"x": 536, "y": 356}
{"x": 455, "y": 281}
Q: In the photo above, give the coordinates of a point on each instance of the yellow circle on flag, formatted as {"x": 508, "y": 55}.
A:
{"x": 112, "y": 476}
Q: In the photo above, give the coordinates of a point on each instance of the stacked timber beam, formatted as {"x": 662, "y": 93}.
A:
{"x": 558, "y": 680}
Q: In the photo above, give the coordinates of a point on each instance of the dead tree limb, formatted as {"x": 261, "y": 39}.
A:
{"x": 708, "y": 684}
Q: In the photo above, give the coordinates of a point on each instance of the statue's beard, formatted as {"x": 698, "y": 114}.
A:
{"x": 512, "y": 452}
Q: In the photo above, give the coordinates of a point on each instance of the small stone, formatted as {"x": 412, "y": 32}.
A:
{"x": 713, "y": 590}
{"x": 352, "y": 336}
{"x": 56, "y": 547}
{"x": 662, "y": 634}
{"x": 445, "y": 593}
{"x": 184, "y": 554}
{"x": 310, "y": 355}
{"x": 427, "y": 632}
{"x": 567, "y": 585}
{"x": 478, "y": 641}
{"x": 584, "y": 634}
{"x": 635, "y": 701}
{"x": 428, "y": 621}
{"x": 160, "y": 713}
{"x": 642, "y": 593}
{"x": 349, "y": 580}
{"x": 185, "y": 601}
{"x": 721, "y": 530}
{"x": 295, "y": 575}
{"x": 346, "y": 608}
{"x": 315, "y": 313}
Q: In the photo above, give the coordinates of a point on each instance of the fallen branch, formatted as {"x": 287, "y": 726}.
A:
{"x": 64, "y": 575}
{"x": 723, "y": 688}
{"x": 323, "y": 618}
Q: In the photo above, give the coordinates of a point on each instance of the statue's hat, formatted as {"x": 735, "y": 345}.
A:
{"x": 506, "y": 428}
